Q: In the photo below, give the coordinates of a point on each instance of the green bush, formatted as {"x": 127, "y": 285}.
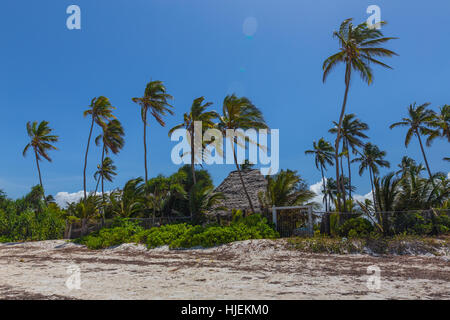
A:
{"x": 29, "y": 225}
{"x": 355, "y": 227}
{"x": 182, "y": 235}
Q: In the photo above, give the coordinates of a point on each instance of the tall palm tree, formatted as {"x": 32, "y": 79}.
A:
{"x": 197, "y": 113}
{"x": 352, "y": 135}
{"x": 155, "y": 100}
{"x": 111, "y": 140}
{"x": 418, "y": 121}
{"x": 358, "y": 48}
{"x": 371, "y": 159}
{"x": 240, "y": 113}
{"x": 323, "y": 156}
{"x": 41, "y": 143}
{"x": 100, "y": 110}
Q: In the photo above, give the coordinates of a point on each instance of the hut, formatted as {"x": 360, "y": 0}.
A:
{"x": 233, "y": 191}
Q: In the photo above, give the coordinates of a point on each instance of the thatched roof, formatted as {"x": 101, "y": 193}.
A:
{"x": 233, "y": 191}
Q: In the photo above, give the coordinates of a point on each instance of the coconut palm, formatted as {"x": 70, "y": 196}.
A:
{"x": 155, "y": 100}
{"x": 352, "y": 135}
{"x": 111, "y": 140}
{"x": 441, "y": 125}
{"x": 286, "y": 188}
{"x": 387, "y": 190}
{"x": 323, "y": 156}
{"x": 202, "y": 199}
{"x": 371, "y": 159}
{"x": 331, "y": 192}
{"x": 105, "y": 171}
{"x": 240, "y": 113}
{"x": 41, "y": 143}
{"x": 100, "y": 110}
{"x": 408, "y": 166}
{"x": 418, "y": 123}
{"x": 197, "y": 113}
{"x": 358, "y": 48}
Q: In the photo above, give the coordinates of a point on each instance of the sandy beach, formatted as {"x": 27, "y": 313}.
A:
{"x": 254, "y": 269}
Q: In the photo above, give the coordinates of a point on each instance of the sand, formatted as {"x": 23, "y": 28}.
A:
{"x": 254, "y": 269}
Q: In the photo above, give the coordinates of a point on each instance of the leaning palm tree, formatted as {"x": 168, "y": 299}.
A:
{"x": 371, "y": 159}
{"x": 323, "y": 156}
{"x": 100, "y": 111}
{"x": 155, "y": 100}
{"x": 41, "y": 143}
{"x": 197, "y": 113}
{"x": 240, "y": 113}
{"x": 111, "y": 140}
{"x": 352, "y": 135}
{"x": 358, "y": 48}
{"x": 418, "y": 121}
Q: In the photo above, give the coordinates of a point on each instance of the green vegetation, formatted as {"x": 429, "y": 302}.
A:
{"x": 181, "y": 235}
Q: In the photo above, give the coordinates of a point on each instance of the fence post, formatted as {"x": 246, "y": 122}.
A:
{"x": 274, "y": 216}
{"x": 310, "y": 224}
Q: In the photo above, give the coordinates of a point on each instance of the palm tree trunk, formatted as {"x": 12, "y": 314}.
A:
{"x": 325, "y": 223}
{"x": 96, "y": 186}
{"x": 145, "y": 146}
{"x": 193, "y": 156}
{"x": 373, "y": 191}
{"x": 103, "y": 185}
{"x": 424, "y": 157}
{"x": 242, "y": 180}
{"x": 338, "y": 137}
{"x": 349, "y": 178}
{"x": 344, "y": 192}
{"x": 324, "y": 188}
{"x": 40, "y": 177}
{"x": 85, "y": 158}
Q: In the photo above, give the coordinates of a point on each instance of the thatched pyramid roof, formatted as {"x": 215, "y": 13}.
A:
{"x": 233, "y": 191}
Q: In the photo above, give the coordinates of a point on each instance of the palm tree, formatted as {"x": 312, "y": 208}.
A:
{"x": 387, "y": 193}
{"x": 358, "y": 47}
{"x": 286, "y": 188}
{"x": 408, "y": 166}
{"x": 331, "y": 192}
{"x": 197, "y": 113}
{"x": 202, "y": 199}
{"x": 441, "y": 123}
{"x": 240, "y": 113}
{"x": 100, "y": 111}
{"x": 323, "y": 156}
{"x": 41, "y": 142}
{"x": 371, "y": 159}
{"x": 418, "y": 122}
{"x": 155, "y": 101}
{"x": 105, "y": 171}
{"x": 111, "y": 140}
{"x": 352, "y": 133}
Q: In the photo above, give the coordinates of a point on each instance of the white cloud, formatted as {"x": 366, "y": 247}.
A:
{"x": 63, "y": 198}
{"x": 448, "y": 175}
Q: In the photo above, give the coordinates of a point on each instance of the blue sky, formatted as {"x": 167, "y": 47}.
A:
{"x": 198, "y": 48}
